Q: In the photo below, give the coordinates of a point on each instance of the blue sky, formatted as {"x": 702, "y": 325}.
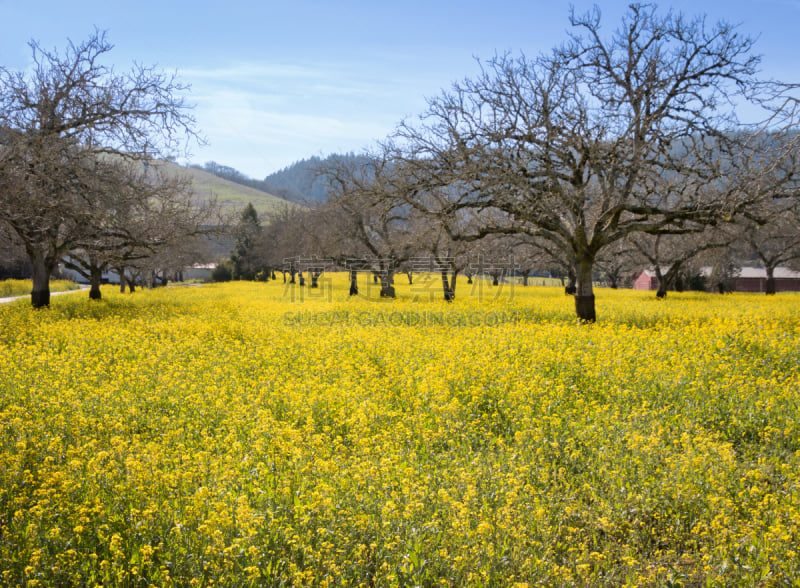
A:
{"x": 275, "y": 82}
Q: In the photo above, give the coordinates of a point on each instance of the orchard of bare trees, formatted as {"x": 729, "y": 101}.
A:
{"x": 656, "y": 145}
{"x": 80, "y": 178}
{"x": 609, "y": 152}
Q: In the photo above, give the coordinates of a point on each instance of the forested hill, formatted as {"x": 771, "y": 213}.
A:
{"x": 298, "y": 182}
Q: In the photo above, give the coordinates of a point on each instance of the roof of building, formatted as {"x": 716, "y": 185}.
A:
{"x": 745, "y": 272}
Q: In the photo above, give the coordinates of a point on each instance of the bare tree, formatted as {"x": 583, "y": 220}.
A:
{"x": 13, "y": 261}
{"x": 59, "y": 120}
{"x": 374, "y": 220}
{"x": 669, "y": 255}
{"x": 602, "y": 137}
{"x": 772, "y": 232}
{"x": 617, "y": 263}
{"x": 145, "y": 213}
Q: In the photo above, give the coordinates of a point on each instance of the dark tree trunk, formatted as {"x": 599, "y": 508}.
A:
{"x": 315, "y": 279}
{"x": 447, "y": 288}
{"x": 469, "y": 278}
{"x": 661, "y": 293}
{"x": 525, "y": 277}
{"x": 95, "y": 279}
{"x": 770, "y": 286}
{"x": 387, "y": 289}
{"x": 570, "y": 288}
{"x": 584, "y": 292}
{"x": 302, "y": 279}
{"x": 495, "y": 280}
{"x": 410, "y": 278}
{"x": 41, "y": 268}
{"x": 353, "y": 283}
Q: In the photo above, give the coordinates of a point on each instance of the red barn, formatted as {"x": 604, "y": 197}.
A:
{"x": 749, "y": 279}
{"x": 646, "y": 280}
{"x": 754, "y": 279}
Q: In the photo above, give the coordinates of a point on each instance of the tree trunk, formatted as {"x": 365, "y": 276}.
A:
{"x": 410, "y": 278}
{"x": 387, "y": 289}
{"x": 353, "y": 283}
{"x": 447, "y": 288}
{"x": 570, "y": 287}
{"x": 661, "y": 293}
{"x": 41, "y": 267}
{"x": 770, "y": 287}
{"x": 584, "y": 292}
{"x": 525, "y": 277}
{"x": 95, "y": 279}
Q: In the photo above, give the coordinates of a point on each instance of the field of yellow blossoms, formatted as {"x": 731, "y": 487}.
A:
{"x": 253, "y": 434}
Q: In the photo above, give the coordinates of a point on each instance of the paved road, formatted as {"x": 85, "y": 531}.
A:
{"x": 12, "y": 298}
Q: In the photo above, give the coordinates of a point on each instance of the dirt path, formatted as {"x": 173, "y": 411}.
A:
{"x": 12, "y": 298}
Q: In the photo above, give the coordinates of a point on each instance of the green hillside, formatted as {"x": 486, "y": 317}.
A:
{"x": 231, "y": 195}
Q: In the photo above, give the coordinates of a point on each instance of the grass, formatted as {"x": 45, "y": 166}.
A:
{"x": 10, "y": 288}
{"x": 233, "y": 196}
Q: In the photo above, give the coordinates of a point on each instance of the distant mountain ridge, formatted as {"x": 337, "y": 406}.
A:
{"x": 299, "y": 182}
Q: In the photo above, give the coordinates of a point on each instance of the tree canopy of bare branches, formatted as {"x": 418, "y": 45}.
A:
{"x": 65, "y": 126}
{"x": 604, "y": 137}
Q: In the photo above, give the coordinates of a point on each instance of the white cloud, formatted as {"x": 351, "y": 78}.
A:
{"x": 259, "y": 117}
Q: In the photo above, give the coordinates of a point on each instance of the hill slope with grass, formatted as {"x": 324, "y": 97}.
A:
{"x": 233, "y": 197}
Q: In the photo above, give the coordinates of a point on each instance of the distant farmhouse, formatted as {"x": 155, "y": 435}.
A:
{"x": 749, "y": 279}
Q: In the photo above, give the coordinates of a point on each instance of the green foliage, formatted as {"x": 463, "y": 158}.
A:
{"x": 244, "y": 257}
{"x": 223, "y": 272}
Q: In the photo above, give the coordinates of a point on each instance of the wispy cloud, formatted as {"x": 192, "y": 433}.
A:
{"x": 265, "y": 117}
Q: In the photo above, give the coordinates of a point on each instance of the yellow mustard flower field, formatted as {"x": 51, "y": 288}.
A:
{"x": 259, "y": 434}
